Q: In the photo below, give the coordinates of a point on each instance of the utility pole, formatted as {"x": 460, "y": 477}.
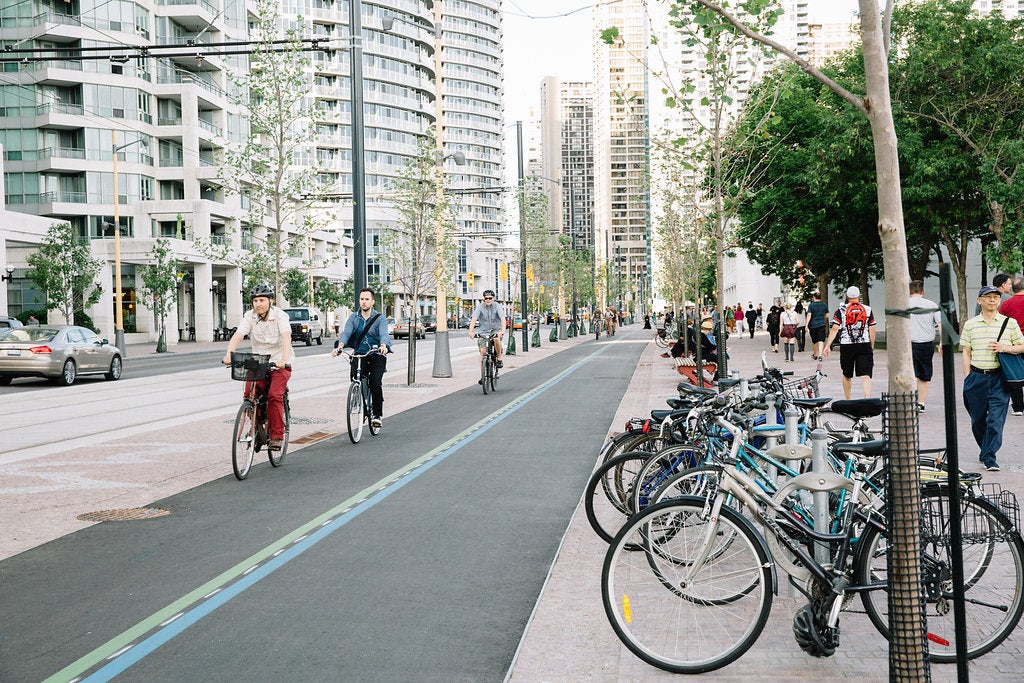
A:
{"x": 355, "y": 30}
{"x": 522, "y": 237}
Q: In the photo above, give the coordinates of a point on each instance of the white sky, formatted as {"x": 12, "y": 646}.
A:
{"x": 555, "y": 38}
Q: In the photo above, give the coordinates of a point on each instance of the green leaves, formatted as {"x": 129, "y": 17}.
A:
{"x": 610, "y": 35}
{"x": 65, "y": 269}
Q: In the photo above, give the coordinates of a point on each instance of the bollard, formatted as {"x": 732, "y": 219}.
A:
{"x": 535, "y": 340}
{"x": 791, "y": 418}
{"x": 510, "y": 350}
{"x": 819, "y": 449}
{"x": 744, "y": 388}
{"x": 771, "y": 418}
{"x": 553, "y": 337}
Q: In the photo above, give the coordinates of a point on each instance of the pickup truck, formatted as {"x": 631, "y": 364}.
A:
{"x": 306, "y": 325}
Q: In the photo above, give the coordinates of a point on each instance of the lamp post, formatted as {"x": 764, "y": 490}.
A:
{"x": 355, "y": 29}
{"x": 118, "y": 312}
{"x": 522, "y": 239}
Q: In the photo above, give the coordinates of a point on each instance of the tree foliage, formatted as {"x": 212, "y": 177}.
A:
{"x": 160, "y": 285}
{"x": 63, "y": 267}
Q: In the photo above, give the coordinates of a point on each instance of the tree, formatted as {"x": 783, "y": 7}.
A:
{"x": 907, "y": 658}
{"x": 296, "y": 287}
{"x": 415, "y": 253}
{"x": 63, "y": 267}
{"x": 265, "y": 166}
{"x": 160, "y": 285}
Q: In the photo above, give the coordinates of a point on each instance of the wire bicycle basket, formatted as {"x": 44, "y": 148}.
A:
{"x": 249, "y": 367}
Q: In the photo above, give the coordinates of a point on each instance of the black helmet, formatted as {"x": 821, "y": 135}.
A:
{"x": 488, "y": 292}
{"x": 262, "y": 290}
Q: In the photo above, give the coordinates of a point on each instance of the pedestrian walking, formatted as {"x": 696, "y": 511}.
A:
{"x": 985, "y": 397}
{"x": 647, "y": 321}
{"x": 854, "y": 323}
{"x": 817, "y": 325}
{"x": 772, "y": 323}
{"x": 788, "y": 321}
{"x": 760, "y": 316}
{"x": 751, "y": 316}
{"x": 801, "y": 326}
{"x": 739, "y": 318}
{"x": 923, "y": 327}
{"x": 1014, "y": 308}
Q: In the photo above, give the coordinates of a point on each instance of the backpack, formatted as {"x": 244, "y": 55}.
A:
{"x": 856, "y": 319}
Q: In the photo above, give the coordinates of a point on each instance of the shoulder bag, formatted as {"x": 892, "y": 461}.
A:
{"x": 1012, "y": 364}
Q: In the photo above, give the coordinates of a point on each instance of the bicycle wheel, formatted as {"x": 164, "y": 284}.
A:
{"x": 660, "y": 341}
{"x": 608, "y": 491}
{"x": 494, "y": 375}
{"x": 993, "y": 563}
{"x": 277, "y": 457}
{"x": 368, "y": 407}
{"x": 485, "y": 373}
{"x": 658, "y": 469}
{"x": 355, "y": 413}
{"x": 717, "y": 608}
{"x": 649, "y": 443}
{"x": 243, "y": 441}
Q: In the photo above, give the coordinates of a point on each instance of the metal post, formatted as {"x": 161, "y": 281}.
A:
{"x": 524, "y": 305}
{"x": 819, "y": 448}
{"x": 791, "y": 418}
{"x": 355, "y": 29}
{"x": 442, "y": 354}
{"x": 118, "y": 294}
{"x": 770, "y": 419}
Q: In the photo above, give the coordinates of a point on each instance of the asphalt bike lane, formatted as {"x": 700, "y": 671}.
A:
{"x": 390, "y": 559}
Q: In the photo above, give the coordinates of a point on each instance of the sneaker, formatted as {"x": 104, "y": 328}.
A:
{"x": 375, "y": 423}
{"x": 994, "y": 467}
{"x": 480, "y": 382}
{"x": 500, "y": 364}
{"x": 920, "y": 407}
{"x": 1018, "y": 412}
{"x": 275, "y": 444}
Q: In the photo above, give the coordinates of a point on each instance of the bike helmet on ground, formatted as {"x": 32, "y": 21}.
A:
{"x": 262, "y": 290}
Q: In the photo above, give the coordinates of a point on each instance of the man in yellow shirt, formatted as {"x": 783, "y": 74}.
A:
{"x": 985, "y": 397}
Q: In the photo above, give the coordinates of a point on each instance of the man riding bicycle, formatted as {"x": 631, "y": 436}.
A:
{"x": 364, "y": 332}
{"x": 271, "y": 333}
{"x": 491, "y": 318}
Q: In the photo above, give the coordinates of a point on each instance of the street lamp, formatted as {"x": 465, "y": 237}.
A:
{"x": 118, "y": 312}
{"x": 355, "y": 29}
{"x": 10, "y": 274}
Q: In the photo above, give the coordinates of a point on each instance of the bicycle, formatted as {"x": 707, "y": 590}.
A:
{"x": 359, "y": 402}
{"x": 699, "y": 554}
{"x": 661, "y": 338}
{"x": 251, "y": 429}
{"x": 489, "y": 364}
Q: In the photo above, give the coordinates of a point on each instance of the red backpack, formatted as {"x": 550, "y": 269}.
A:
{"x": 856, "y": 319}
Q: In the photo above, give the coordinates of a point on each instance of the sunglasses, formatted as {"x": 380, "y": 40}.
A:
{"x": 488, "y": 298}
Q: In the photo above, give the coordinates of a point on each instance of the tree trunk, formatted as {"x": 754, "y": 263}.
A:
{"x": 907, "y": 644}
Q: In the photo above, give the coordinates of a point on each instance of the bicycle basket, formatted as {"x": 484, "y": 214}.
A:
{"x": 249, "y": 367}
{"x": 805, "y": 387}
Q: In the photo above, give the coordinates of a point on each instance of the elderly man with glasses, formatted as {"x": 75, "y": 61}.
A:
{"x": 491, "y": 318}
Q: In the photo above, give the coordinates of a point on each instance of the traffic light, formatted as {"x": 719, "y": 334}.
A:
{"x": 503, "y": 271}
{"x": 469, "y": 280}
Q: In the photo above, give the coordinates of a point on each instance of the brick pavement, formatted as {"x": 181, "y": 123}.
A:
{"x": 569, "y": 637}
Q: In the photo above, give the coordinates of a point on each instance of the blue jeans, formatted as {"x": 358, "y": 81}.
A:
{"x": 986, "y": 401}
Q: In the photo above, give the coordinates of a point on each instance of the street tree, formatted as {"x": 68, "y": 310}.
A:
{"x": 160, "y": 285}
{"x": 296, "y": 287}
{"x": 415, "y": 253}
{"x": 266, "y": 167}
{"x": 908, "y": 649}
{"x": 64, "y": 268}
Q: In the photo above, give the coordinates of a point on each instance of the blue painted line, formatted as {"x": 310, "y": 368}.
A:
{"x": 122, "y": 660}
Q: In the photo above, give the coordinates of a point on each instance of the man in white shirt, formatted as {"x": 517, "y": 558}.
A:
{"x": 923, "y": 327}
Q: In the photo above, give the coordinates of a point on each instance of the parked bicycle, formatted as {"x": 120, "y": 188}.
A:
{"x": 489, "y": 363}
{"x": 358, "y": 403}
{"x": 251, "y": 432}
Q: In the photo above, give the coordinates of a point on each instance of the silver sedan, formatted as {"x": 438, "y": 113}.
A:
{"x": 58, "y": 352}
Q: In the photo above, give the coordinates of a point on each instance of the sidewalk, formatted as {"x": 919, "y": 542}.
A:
{"x": 569, "y": 638}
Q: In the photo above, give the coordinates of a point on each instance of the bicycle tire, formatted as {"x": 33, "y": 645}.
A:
{"x": 660, "y": 341}
{"x": 243, "y": 442}
{"x": 355, "y": 414}
{"x": 368, "y": 408}
{"x": 494, "y": 375}
{"x": 689, "y": 630}
{"x": 658, "y": 468}
{"x": 649, "y": 442}
{"x": 485, "y": 371}
{"x": 993, "y": 561}
{"x": 606, "y": 498}
{"x": 277, "y": 457}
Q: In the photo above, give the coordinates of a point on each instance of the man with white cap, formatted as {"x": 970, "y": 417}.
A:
{"x": 855, "y": 324}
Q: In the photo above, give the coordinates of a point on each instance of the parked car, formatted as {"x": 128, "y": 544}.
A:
{"x": 59, "y": 353}
{"x": 463, "y": 322}
{"x": 402, "y": 329}
{"x": 306, "y": 325}
{"x": 391, "y": 327}
{"x": 517, "y": 323}
{"x": 429, "y": 323}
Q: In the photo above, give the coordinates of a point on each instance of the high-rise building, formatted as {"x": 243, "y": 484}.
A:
{"x": 621, "y": 130}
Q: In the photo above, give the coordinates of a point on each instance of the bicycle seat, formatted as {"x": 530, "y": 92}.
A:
{"x": 858, "y": 408}
{"x": 662, "y": 414}
{"x": 681, "y": 402}
{"x": 687, "y": 388}
{"x": 819, "y": 402}
{"x": 728, "y": 383}
{"x": 868, "y": 448}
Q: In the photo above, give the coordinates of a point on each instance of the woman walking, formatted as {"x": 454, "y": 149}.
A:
{"x": 789, "y": 321}
{"x": 772, "y": 323}
{"x": 801, "y": 326}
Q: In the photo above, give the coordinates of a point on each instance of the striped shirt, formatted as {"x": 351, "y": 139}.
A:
{"x": 977, "y": 334}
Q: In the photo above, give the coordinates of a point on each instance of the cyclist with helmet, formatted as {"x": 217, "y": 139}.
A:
{"x": 270, "y": 331}
{"x": 490, "y": 316}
